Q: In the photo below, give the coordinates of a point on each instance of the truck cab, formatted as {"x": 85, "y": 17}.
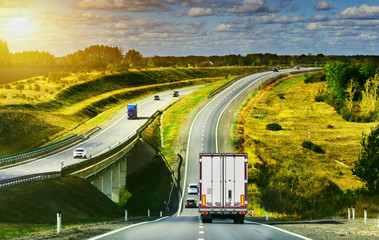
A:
{"x": 132, "y": 111}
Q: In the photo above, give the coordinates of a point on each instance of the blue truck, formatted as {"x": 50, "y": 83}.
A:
{"x": 132, "y": 111}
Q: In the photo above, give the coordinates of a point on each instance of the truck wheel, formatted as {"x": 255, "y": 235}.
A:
{"x": 235, "y": 221}
{"x": 210, "y": 220}
{"x": 203, "y": 220}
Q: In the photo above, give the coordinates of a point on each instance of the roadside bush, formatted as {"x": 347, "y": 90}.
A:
{"x": 311, "y": 146}
{"x": 319, "y": 98}
{"x": 281, "y": 95}
{"x": 273, "y": 127}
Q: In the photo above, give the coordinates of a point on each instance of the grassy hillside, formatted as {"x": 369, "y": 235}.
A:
{"x": 285, "y": 176}
{"x": 67, "y": 101}
{"x": 78, "y": 200}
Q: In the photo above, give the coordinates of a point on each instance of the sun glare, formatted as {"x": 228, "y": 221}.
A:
{"x": 19, "y": 25}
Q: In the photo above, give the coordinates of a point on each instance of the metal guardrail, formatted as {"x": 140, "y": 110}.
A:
{"x": 38, "y": 151}
{"x": 66, "y": 170}
{"x": 29, "y": 178}
{"x": 46, "y": 149}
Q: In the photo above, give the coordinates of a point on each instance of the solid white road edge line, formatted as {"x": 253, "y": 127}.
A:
{"x": 121, "y": 229}
{"x": 282, "y": 230}
{"x": 187, "y": 151}
{"x": 219, "y": 117}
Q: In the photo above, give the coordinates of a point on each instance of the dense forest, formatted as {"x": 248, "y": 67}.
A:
{"x": 106, "y": 57}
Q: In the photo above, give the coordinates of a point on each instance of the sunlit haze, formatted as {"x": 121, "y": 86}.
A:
{"x": 193, "y": 27}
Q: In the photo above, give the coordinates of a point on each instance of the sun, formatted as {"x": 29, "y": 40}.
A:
{"x": 19, "y": 25}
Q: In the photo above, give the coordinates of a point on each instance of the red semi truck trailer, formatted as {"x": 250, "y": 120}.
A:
{"x": 223, "y": 186}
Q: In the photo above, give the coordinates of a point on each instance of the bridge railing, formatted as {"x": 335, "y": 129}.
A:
{"x": 29, "y": 178}
{"x": 19, "y": 157}
{"x": 68, "y": 169}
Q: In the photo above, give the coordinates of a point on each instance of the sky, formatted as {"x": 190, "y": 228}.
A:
{"x": 193, "y": 27}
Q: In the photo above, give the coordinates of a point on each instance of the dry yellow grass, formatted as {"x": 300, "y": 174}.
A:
{"x": 300, "y": 116}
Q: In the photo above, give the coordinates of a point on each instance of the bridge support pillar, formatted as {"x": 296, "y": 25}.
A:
{"x": 98, "y": 182}
{"x": 107, "y": 183}
{"x": 123, "y": 170}
{"x": 115, "y": 186}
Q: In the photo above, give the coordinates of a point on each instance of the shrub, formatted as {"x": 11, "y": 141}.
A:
{"x": 319, "y": 98}
{"x": 317, "y": 149}
{"x": 307, "y": 144}
{"x": 311, "y": 146}
{"x": 281, "y": 95}
{"x": 273, "y": 127}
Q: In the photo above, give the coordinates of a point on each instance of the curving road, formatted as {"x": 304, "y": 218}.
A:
{"x": 203, "y": 138}
{"x": 116, "y": 130}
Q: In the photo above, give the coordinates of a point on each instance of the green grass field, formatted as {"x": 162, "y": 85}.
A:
{"x": 290, "y": 103}
{"x": 68, "y": 102}
{"x": 33, "y": 206}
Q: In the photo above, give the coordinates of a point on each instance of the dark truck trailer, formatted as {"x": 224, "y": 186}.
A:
{"x": 223, "y": 186}
{"x": 132, "y": 111}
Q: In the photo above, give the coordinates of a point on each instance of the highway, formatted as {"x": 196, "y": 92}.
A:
{"x": 116, "y": 130}
{"x": 203, "y": 138}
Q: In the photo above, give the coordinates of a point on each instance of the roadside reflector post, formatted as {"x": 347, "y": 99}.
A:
{"x": 353, "y": 213}
{"x": 160, "y": 213}
{"x": 266, "y": 215}
{"x": 348, "y": 213}
{"x": 59, "y": 221}
{"x": 252, "y": 213}
{"x": 148, "y": 212}
{"x": 365, "y": 216}
{"x": 126, "y": 215}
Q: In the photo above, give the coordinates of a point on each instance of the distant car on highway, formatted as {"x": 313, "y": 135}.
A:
{"x": 175, "y": 93}
{"x": 80, "y": 153}
{"x": 193, "y": 188}
{"x": 297, "y": 67}
{"x": 275, "y": 69}
{"x": 156, "y": 97}
{"x": 191, "y": 202}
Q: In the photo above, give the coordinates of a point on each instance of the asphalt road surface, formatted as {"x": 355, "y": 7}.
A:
{"x": 116, "y": 130}
{"x": 187, "y": 224}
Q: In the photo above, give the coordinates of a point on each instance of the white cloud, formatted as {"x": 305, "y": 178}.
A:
{"x": 199, "y": 12}
{"x": 124, "y": 5}
{"x": 75, "y": 18}
{"x": 249, "y": 7}
{"x": 363, "y": 12}
{"x": 223, "y": 27}
{"x": 322, "y": 5}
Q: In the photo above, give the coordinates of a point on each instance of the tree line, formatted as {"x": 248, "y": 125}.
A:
{"x": 106, "y": 57}
{"x": 352, "y": 89}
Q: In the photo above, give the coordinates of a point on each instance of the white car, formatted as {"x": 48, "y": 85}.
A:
{"x": 80, "y": 152}
{"x": 192, "y": 188}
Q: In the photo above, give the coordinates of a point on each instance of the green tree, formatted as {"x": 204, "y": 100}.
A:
{"x": 367, "y": 165}
{"x": 133, "y": 58}
{"x": 350, "y": 93}
{"x": 4, "y": 54}
{"x": 338, "y": 75}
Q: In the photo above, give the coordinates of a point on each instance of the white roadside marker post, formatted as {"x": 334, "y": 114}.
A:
{"x": 348, "y": 213}
{"x": 365, "y": 216}
{"x": 266, "y": 216}
{"x": 148, "y": 212}
{"x": 126, "y": 215}
{"x": 353, "y": 213}
{"x": 59, "y": 222}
